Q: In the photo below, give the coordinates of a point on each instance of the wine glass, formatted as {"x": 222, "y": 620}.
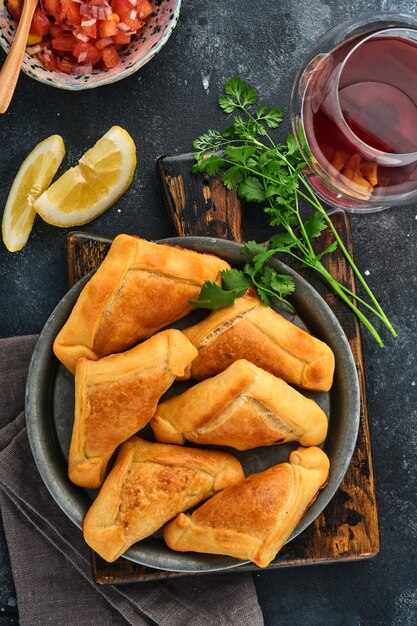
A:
{"x": 354, "y": 113}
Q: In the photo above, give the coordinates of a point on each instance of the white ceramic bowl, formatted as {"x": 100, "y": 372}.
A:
{"x": 132, "y": 57}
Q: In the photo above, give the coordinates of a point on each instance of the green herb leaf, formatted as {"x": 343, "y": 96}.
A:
{"x": 259, "y": 260}
{"x": 328, "y": 250}
{"x": 251, "y": 249}
{"x": 233, "y": 176}
{"x": 214, "y": 165}
{"x": 274, "y": 118}
{"x": 241, "y": 92}
{"x": 208, "y": 141}
{"x": 283, "y": 242}
{"x": 292, "y": 147}
{"x": 235, "y": 280}
{"x": 282, "y": 284}
{"x": 226, "y": 104}
{"x": 240, "y": 155}
{"x": 315, "y": 225}
{"x": 212, "y": 296}
{"x": 251, "y": 189}
{"x": 260, "y": 112}
{"x": 234, "y": 284}
{"x": 264, "y": 296}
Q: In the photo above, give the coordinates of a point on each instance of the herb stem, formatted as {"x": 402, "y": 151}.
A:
{"x": 302, "y": 227}
{"x": 339, "y": 291}
{"x": 314, "y": 200}
{"x": 363, "y": 302}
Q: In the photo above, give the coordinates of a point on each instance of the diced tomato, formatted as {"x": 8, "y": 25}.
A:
{"x": 89, "y": 28}
{"x": 133, "y": 23}
{"x": 64, "y": 48}
{"x": 15, "y": 8}
{"x": 79, "y": 31}
{"x": 49, "y": 60}
{"x": 65, "y": 65}
{"x": 54, "y": 30}
{"x": 121, "y": 38}
{"x": 93, "y": 55}
{"x": 71, "y": 11}
{"x": 64, "y": 42}
{"x": 107, "y": 28}
{"x": 40, "y": 23}
{"x": 102, "y": 43}
{"x": 124, "y": 10}
{"x": 53, "y": 8}
{"x": 110, "y": 56}
{"x": 144, "y": 9}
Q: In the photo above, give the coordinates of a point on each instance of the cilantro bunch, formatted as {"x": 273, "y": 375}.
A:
{"x": 267, "y": 172}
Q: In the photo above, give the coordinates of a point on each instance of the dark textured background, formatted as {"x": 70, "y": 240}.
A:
{"x": 164, "y": 106}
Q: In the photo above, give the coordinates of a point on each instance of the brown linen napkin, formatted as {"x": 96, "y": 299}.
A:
{"x": 50, "y": 560}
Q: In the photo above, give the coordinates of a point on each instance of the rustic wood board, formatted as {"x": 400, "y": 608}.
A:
{"x": 348, "y": 527}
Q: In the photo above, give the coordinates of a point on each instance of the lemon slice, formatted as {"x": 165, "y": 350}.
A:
{"x": 33, "y": 177}
{"x": 85, "y": 191}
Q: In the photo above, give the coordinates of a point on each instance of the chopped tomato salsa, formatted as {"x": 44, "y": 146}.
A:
{"x": 73, "y": 36}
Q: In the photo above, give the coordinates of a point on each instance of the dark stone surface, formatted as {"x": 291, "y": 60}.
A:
{"x": 164, "y": 106}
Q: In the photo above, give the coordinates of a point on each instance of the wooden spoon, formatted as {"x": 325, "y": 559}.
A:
{"x": 11, "y": 68}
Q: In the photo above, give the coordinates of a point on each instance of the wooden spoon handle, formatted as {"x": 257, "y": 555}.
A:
{"x": 11, "y": 68}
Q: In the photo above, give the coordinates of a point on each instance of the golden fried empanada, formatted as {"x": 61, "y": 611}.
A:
{"x": 243, "y": 407}
{"x": 139, "y": 288}
{"x": 250, "y": 330}
{"x": 253, "y": 519}
{"x": 117, "y": 395}
{"x": 149, "y": 484}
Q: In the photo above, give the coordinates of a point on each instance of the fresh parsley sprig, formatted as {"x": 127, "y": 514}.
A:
{"x": 267, "y": 282}
{"x": 267, "y": 172}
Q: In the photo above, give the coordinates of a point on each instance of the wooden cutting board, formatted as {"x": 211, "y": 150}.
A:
{"x": 348, "y": 527}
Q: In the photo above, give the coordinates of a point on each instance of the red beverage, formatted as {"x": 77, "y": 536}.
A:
{"x": 359, "y": 116}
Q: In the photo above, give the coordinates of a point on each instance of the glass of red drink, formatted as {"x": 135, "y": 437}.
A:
{"x": 354, "y": 113}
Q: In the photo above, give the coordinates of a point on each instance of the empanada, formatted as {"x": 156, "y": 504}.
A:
{"x": 139, "y": 288}
{"x": 117, "y": 395}
{"x": 253, "y": 519}
{"x": 250, "y": 330}
{"x": 149, "y": 484}
{"x": 243, "y": 407}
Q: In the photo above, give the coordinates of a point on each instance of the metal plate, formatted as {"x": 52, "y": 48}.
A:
{"x": 50, "y": 406}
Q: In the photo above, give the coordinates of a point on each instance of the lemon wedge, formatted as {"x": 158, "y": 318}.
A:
{"x": 33, "y": 177}
{"x": 85, "y": 191}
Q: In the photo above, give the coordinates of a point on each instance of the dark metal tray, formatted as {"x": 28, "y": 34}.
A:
{"x": 49, "y": 410}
